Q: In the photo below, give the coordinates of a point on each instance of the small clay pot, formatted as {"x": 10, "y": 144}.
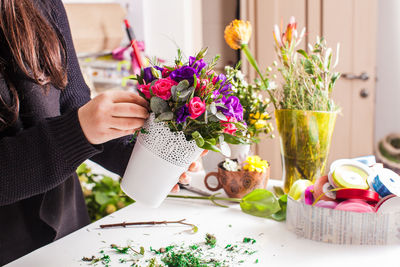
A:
{"x": 237, "y": 184}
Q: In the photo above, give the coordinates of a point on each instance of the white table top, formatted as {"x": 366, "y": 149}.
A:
{"x": 275, "y": 245}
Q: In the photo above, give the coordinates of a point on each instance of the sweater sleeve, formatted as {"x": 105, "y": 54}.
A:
{"x": 115, "y": 153}
{"x": 40, "y": 158}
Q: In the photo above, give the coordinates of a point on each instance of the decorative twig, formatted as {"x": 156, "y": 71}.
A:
{"x": 125, "y": 224}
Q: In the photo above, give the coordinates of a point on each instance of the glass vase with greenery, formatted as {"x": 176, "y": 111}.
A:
{"x": 304, "y": 109}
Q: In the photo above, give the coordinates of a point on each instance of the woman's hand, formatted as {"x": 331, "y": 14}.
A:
{"x": 111, "y": 115}
{"x": 184, "y": 178}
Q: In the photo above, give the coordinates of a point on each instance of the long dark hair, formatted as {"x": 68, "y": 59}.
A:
{"x": 36, "y": 50}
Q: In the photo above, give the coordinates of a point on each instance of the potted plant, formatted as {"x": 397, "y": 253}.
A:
{"x": 192, "y": 109}
{"x": 239, "y": 178}
{"x": 255, "y": 116}
{"x": 304, "y": 110}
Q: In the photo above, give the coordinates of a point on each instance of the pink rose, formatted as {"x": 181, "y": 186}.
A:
{"x": 196, "y": 107}
{"x": 230, "y": 128}
{"x": 162, "y": 88}
{"x": 145, "y": 89}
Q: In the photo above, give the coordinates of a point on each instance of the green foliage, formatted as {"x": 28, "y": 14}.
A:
{"x": 103, "y": 194}
{"x": 211, "y": 240}
{"x": 158, "y": 105}
{"x": 255, "y": 104}
{"x": 308, "y": 77}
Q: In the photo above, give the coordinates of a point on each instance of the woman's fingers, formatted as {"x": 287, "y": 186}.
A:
{"x": 111, "y": 115}
{"x": 129, "y": 110}
{"x": 194, "y": 167}
{"x": 205, "y": 151}
{"x": 128, "y": 97}
{"x": 115, "y": 133}
{"x": 125, "y": 123}
{"x": 184, "y": 178}
{"x": 175, "y": 189}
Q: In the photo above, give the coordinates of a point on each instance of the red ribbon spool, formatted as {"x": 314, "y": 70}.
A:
{"x": 354, "y": 193}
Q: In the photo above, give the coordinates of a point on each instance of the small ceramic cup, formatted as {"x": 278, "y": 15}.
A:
{"x": 237, "y": 184}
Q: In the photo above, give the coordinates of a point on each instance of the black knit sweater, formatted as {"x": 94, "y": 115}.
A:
{"x": 40, "y": 195}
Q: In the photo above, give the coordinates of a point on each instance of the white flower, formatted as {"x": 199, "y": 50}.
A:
{"x": 230, "y": 165}
{"x": 272, "y": 85}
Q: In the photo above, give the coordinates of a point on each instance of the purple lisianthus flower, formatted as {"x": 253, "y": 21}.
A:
{"x": 225, "y": 86}
{"x": 221, "y": 78}
{"x": 197, "y": 65}
{"x": 183, "y": 73}
{"x": 159, "y": 68}
{"x": 182, "y": 113}
{"x": 233, "y": 108}
{"x": 226, "y": 89}
{"x": 148, "y": 76}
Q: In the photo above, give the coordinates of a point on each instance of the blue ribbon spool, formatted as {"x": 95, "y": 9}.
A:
{"x": 386, "y": 183}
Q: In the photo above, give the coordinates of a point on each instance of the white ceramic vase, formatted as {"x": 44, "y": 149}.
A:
{"x": 157, "y": 160}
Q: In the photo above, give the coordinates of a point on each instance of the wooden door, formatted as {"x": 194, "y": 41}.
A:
{"x": 352, "y": 23}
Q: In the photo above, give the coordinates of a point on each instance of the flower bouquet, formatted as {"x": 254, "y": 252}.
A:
{"x": 255, "y": 115}
{"x": 192, "y": 109}
{"x": 304, "y": 110}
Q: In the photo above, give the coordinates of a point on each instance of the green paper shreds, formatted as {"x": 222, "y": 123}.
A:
{"x": 211, "y": 240}
{"x": 162, "y": 250}
{"x": 194, "y": 247}
{"x": 249, "y": 240}
{"x": 122, "y": 250}
{"x": 182, "y": 259}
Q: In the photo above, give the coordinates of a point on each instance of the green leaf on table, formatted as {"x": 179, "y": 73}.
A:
{"x": 260, "y": 203}
{"x": 158, "y": 105}
{"x": 278, "y": 191}
{"x": 281, "y": 215}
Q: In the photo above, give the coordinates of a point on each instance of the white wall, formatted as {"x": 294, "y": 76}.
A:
{"x": 164, "y": 25}
{"x": 172, "y": 24}
{"x": 388, "y": 69}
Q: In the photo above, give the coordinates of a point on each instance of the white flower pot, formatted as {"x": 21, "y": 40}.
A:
{"x": 157, "y": 160}
{"x": 211, "y": 160}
